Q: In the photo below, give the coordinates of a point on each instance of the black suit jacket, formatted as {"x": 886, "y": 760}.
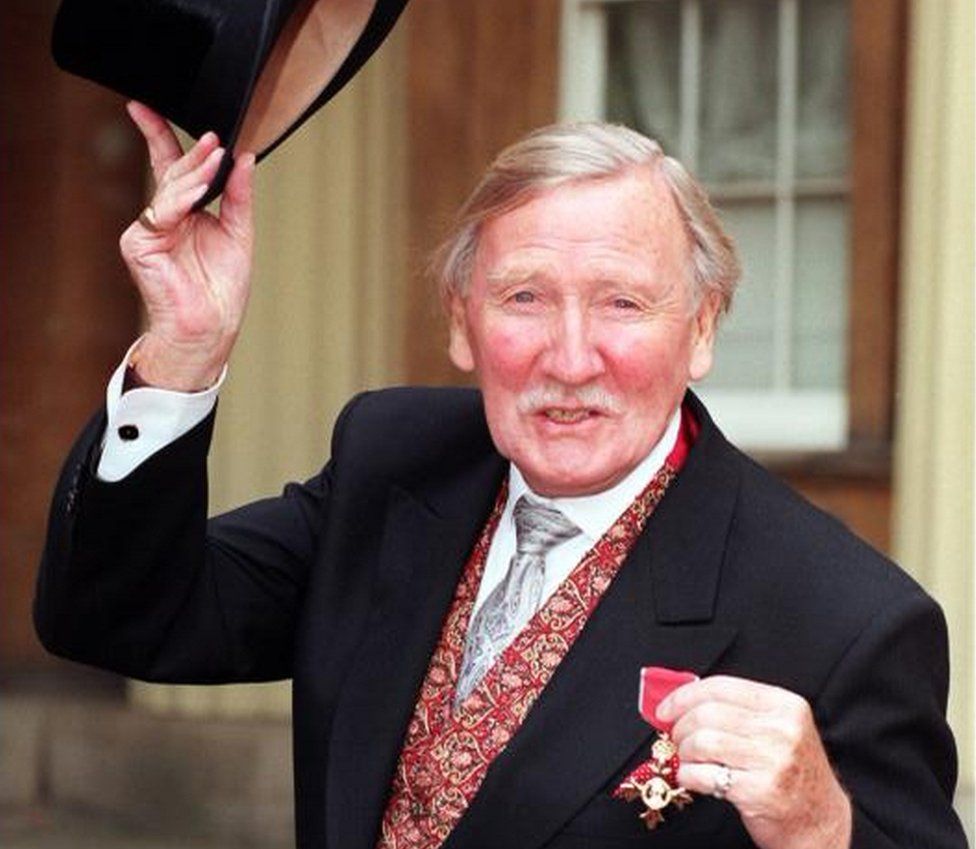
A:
{"x": 342, "y": 583}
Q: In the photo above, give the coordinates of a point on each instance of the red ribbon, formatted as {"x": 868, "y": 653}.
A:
{"x": 656, "y": 683}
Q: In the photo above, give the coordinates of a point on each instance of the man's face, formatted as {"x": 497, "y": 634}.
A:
{"x": 580, "y": 325}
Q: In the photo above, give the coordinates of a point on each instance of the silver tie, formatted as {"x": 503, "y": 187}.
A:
{"x": 515, "y": 599}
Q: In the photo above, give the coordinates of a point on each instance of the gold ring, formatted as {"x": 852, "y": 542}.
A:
{"x": 147, "y": 218}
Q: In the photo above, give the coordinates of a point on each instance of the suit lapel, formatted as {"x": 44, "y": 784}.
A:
{"x": 427, "y": 538}
{"x": 659, "y": 610}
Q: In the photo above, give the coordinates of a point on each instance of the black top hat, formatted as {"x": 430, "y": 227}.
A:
{"x": 250, "y": 70}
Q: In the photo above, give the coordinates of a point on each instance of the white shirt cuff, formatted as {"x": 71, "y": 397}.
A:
{"x": 145, "y": 419}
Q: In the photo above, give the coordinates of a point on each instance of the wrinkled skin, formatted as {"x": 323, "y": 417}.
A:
{"x": 782, "y": 783}
{"x": 582, "y": 328}
{"x": 192, "y": 269}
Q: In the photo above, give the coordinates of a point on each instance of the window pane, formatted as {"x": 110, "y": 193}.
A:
{"x": 643, "y": 42}
{"x": 823, "y": 134}
{"x": 738, "y": 98}
{"x": 744, "y": 353}
{"x": 820, "y": 295}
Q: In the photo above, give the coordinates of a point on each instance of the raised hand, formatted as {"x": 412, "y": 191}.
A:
{"x": 192, "y": 269}
{"x": 758, "y": 747}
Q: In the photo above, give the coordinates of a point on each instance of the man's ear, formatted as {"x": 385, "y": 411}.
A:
{"x": 703, "y": 341}
{"x": 459, "y": 346}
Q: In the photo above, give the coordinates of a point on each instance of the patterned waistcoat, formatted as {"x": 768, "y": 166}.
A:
{"x": 446, "y": 753}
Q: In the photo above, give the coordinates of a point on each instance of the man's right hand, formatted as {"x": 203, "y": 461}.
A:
{"x": 192, "y": 269}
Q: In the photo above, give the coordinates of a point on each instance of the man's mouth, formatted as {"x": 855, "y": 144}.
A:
{"x": 568, "y": 416}
{"x": 572, "y": 406}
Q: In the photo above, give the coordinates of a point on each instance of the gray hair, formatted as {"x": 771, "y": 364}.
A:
{"x": 564, "y": 153}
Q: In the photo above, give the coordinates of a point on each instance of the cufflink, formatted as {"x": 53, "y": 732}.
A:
{"x": 128, "y": 432}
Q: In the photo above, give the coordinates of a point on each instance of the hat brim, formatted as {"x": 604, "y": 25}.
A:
{"x": 227, "y": 68}
{"x": 296, "y": 74}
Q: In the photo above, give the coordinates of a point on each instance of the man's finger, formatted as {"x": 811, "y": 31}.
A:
{"x": 719, "y": 780}
{"x": 236, "y": 204}
{"x": 711, "y": 746}
{"x": 751, "y": 695}
{"x": 175, "y": 200}
{"x": 721, "y": 716}
{"x": 205, "y": 145}
{"x": 164, "y": 147}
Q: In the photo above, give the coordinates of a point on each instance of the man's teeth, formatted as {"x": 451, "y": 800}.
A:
{"x": 566, "y": 416}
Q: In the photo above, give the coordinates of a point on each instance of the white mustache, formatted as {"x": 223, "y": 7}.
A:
{"x": 589, "y": 396}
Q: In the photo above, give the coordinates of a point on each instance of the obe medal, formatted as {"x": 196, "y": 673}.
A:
{"x": 655, "y": 782}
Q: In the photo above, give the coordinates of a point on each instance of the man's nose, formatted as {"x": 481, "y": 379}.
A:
{"x": 572, "y": 356}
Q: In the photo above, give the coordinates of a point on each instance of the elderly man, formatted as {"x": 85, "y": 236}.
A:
{"x": 466, "y": 594}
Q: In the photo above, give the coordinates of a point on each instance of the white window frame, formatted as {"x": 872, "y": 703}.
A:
{"x": 782, "y": 418}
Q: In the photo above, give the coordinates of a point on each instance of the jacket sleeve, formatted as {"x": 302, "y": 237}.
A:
{"x": 135, "y": 579}
{"x": 883, "y": 718}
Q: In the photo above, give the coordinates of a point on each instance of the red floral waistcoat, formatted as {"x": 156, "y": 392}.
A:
{"x": 445, "y": 753}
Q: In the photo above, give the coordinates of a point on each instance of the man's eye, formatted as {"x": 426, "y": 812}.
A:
{"x": 523, "y": 297}
{"x": 624, "y": 304}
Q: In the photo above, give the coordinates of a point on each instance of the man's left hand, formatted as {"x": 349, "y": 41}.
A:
{"x": 760, "y": 745}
